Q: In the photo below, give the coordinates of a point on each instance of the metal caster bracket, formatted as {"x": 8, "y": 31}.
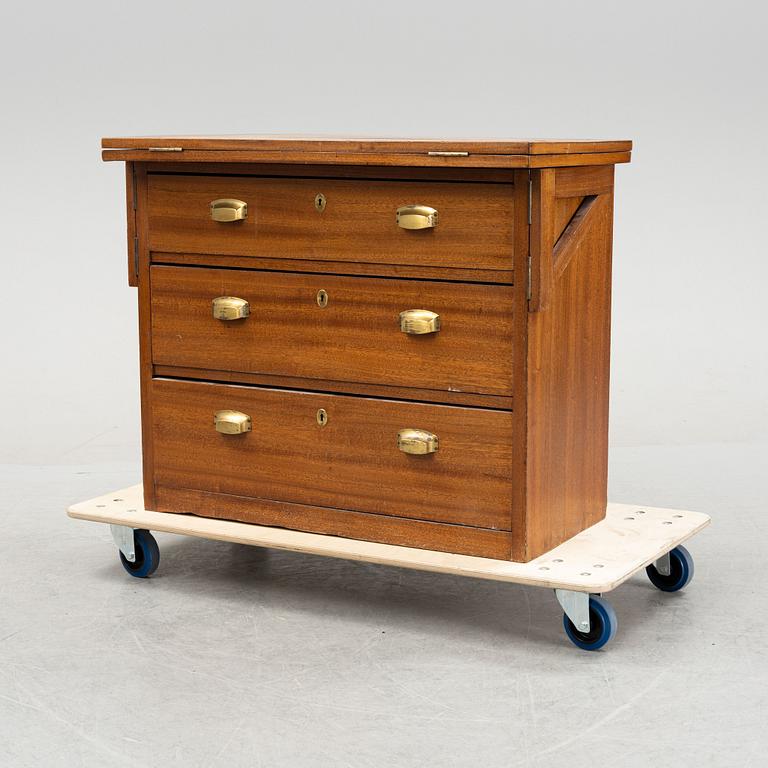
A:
{"x": 663, "y": 565}
{"x": 123, "y": 537}
{"x": 576, "y": 607}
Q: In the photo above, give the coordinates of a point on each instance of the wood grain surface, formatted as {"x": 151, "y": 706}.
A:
{"x": 352, "y": 462}
{"x": 543, "y": 220}
{"x": 385, "y": 529}
{"x": 356, "y": 337}
{"x": 368, "y": 171}
{"x": 371, "y": 269}
{"x": 333, "y": 386}
{"x": 399, "y": 159}
{"x": 504, "y": 483}
{"x": 130, "y": 217}
{"x": 567, "y": 388}
{"x": 369, "y": 144}
{"x": 351, "y": 151}
{"x": 357, "y": 225}
{"x": 565, "y": 208}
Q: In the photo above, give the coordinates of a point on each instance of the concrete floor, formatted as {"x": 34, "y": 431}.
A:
{"x": 236, "y": 656}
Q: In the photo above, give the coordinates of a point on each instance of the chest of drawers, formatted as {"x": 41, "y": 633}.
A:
{"x": 398, "y": 341}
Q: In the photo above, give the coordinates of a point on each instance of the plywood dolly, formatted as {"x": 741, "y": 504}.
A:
{"x": 581, "y": 570}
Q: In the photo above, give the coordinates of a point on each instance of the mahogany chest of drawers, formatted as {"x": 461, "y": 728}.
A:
{"x": 390, "y": 340}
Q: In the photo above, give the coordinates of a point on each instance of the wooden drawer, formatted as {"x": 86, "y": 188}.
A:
{"x": 351, "y": 463}
{"x": 358, "y": 223}
{"x": 355, "y": 337}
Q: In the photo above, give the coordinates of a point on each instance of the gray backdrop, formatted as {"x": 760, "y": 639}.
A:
{"x": 684, "y": 80}
{"x": 238, "y": 656}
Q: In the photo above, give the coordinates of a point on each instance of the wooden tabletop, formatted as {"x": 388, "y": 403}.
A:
{"x": 287, "y": 148}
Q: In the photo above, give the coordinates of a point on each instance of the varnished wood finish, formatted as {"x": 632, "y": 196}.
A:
{"x": 565, "y": 208}
{"x": 338, "y": 267}
{"x": 328, "y": 150}
{"x": 440, "y": 537}
{"x": 557, "y": 196}
{"x": 579, "y": 182}
{"x": 519, "y": 549}
{"x": 567, "y": 390}
{"x": 288, "y": 334}
{"x": 561, "y": 161}
{"x": 370, "y": 144}
{"x": 541, "y": 238}
{"x": 577, "y": 147}
{"x": 145, "y": 336}
{"x": 352, "y": 462}
{"x": 404, "y": 159}
{"x": 357, "y": 225}
{"x": 130, "y": 215}
{"x": 567, "y": 243}
{"x": 536, "y": 397}
{"x": 338, "y": 171}
{"x": 332, "y": 386}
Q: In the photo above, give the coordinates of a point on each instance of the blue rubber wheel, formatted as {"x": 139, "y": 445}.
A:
{"x": 680, "y": 571}
{"x": 602, "y": 626}
{"x": 147, "y": 555}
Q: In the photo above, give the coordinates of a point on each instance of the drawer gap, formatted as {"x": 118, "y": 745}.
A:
{"x": 320, "y": 177}
{"x": 330, "y": 391}
{"x": 158, "y": 260}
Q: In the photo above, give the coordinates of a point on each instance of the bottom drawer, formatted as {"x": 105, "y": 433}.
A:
{"x": 348, "y": 459}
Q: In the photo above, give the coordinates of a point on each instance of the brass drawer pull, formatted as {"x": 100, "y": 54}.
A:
{"x": 418, "y": 321}
{"x": 232, "y": 422}
{"x": 416, "y": 217}
{"x": 227, "y": 209}
{"x": 417, "y": 441}
{"x": 230, "y": 308}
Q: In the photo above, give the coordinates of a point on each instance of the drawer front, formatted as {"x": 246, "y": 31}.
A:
{"x": 347, "y": 458}
{"x": 350, "y": 332}
{"x": 355, "y": 220}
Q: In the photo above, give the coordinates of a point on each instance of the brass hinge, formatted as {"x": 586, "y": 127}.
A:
{"x": 441, "y": 153}
{"x": 529, "y": 289}
{"x": 165, "y": 149}
{"x": 136, "y": 257}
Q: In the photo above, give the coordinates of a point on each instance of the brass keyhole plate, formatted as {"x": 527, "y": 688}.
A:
{"x": 322, "y": 417}
{"x": 320, "y": 202}
{"x": 322, "y": 298}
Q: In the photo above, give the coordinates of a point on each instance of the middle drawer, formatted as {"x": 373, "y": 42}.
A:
{"x": 351, "y": 329}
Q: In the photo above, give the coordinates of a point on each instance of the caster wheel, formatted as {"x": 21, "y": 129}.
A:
{"x": 147, "y": 555}
{"x": 602, "y": 626}
{"x": 680, "y": 571}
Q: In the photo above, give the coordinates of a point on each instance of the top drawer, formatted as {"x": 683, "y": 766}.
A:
{"x": 354, "y": 221}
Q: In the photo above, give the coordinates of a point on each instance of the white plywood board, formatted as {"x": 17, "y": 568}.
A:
{"x": 595, "y": 560}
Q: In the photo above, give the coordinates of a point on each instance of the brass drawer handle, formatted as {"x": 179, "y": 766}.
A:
{"x": 232, "y": 422}
{"x": 228, "y": 209}
{"x": 418, "y": 321}
{"x": 417, "y": 441}
{"x": 230, "y": 308}
{"x": 416, "y": 217}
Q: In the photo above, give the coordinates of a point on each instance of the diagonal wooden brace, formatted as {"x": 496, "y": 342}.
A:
{"x": 550, "y": 258}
